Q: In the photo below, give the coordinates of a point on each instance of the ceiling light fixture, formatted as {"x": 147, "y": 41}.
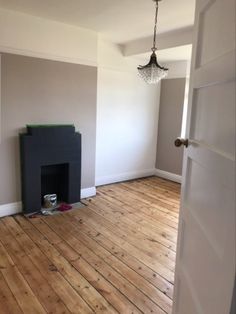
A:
{"x": 152, "y": 72}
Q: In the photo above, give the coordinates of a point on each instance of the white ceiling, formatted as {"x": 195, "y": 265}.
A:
{"x": 118, "y": 20}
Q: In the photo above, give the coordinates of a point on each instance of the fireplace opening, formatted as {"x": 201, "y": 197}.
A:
{"x": 54, "y": 180}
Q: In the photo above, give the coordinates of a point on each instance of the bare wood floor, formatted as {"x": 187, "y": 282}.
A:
{"x": 116, "y": 255}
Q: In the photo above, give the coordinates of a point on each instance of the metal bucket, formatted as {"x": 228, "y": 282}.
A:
{"x": 49, "y": 200}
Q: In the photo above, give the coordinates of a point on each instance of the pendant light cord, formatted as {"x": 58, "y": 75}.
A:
{"x": 155, "y": 28}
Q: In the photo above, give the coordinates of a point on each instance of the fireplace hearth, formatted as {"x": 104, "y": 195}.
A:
{"x": 50, "y": 164}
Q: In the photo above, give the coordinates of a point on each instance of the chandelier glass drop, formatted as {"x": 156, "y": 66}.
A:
{"x": 152, "y": 72}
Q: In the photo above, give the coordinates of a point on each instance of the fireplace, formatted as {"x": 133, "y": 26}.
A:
{"x": 50, "y": 164}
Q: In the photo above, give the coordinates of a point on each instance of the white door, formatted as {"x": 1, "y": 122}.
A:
{"x": 205, "y": 267}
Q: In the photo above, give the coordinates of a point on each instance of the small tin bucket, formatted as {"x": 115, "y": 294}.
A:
{"x": 49, "y": 200}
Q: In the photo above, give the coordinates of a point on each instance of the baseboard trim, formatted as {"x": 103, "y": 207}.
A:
{"x": 16, "y": 208}
{"x": 10, "y": 209}
{"x": 124, "y": 177}
{"x": 168, "y": 175}
{"x": 89, "y": 192}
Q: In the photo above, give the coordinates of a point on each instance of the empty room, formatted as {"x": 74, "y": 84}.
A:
{"x": 117, "y": 156}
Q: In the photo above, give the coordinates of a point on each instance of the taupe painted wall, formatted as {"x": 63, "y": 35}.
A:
{"x": 169, "y": 158}
{"x": 42, "y": 91}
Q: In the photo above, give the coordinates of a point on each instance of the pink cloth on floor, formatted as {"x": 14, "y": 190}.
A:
{"x": 64, "y": 207}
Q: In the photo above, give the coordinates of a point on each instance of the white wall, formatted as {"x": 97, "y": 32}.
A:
{"x": 127, "y": 115}
{"x": 42, "y": 38}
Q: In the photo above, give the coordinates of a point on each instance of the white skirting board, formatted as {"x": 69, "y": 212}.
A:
{"x": 124, "y": 177}
{"x": 88, "y": 192}
{"x": 168, "y": 175}
{"x": 10, "y": 209}
{"x": 15, "y": 208}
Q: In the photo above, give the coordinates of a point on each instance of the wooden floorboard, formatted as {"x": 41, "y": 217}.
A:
{"x": 114, "y": 255}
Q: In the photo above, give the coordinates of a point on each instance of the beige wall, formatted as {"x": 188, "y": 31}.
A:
{"x": 42, "y": 91}
{"x": 169, "y": 158}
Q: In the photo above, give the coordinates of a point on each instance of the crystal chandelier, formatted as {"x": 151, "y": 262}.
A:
{"x": 152, "y": 73}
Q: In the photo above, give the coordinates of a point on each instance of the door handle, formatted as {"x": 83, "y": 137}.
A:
{"x": 181, "y": 141}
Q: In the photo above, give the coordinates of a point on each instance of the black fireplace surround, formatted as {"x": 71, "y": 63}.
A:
{"x": 50, "y": 164}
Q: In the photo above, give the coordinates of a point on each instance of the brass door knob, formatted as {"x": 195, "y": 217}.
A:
{"x": 181, "y": 141}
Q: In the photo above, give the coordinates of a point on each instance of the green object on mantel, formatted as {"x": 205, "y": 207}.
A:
{"x": 47, "y": 125}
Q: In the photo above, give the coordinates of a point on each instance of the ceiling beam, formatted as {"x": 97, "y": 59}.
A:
{"x": 166, "y": 40}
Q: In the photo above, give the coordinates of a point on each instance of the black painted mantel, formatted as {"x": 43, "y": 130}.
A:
{"x": 50, "y": 163}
